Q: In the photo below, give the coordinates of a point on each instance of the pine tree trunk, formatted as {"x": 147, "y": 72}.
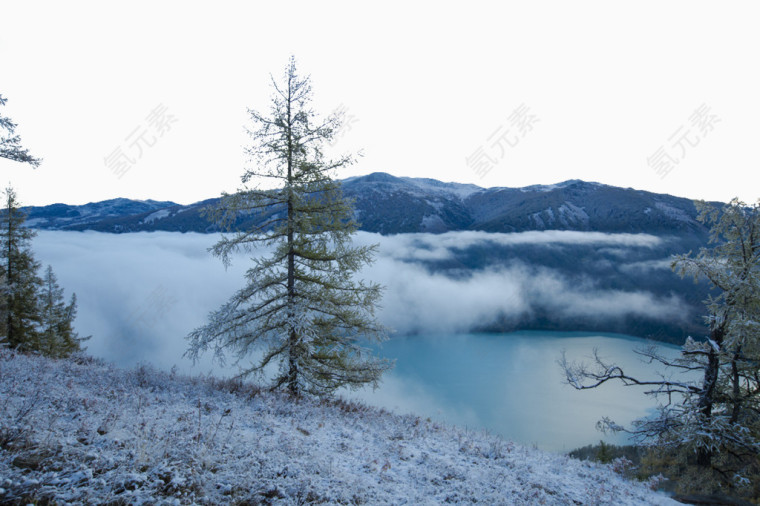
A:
{"x": 293, "y": 337}
{"x": 9, "y": 277}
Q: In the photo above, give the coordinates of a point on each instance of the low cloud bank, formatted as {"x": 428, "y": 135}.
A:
{"x": 442, "y": 246}
{"x": 140, "y": 294}
{"x": 418, "y": 301}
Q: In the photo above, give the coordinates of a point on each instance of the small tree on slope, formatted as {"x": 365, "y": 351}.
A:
{"x": 712, "y": 413}
{"x": 57, "y": 335}
{"x": 302, "y": 302}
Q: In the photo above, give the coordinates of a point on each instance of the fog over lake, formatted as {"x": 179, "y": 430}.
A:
{"x": 140, "y": 294}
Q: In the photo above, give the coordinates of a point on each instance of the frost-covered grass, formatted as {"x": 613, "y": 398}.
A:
{"x": 83, "y": 431}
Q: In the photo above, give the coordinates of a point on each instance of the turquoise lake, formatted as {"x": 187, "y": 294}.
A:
{"x": 511, "y": 384}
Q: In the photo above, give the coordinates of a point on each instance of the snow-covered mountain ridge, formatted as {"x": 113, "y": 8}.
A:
{"x": 81, "y": 431}
{"x": 392, "y": 205}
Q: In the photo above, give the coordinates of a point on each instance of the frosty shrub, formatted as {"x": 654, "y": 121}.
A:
{"x": 707, "y": 427}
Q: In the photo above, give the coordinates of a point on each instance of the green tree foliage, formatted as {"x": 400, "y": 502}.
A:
{"x": 727, "y": 407}
{"x": 10, "y": 142}
{"x": 302, "y": 302}
{"x": 22, "y": 316}
{"x": 712, "y": 414}
{"x": 33, "y": 314}
{"x": 57, "y": 335}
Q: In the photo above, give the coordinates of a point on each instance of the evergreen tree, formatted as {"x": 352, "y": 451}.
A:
{"x": 57, "y": 335}
{"x": 18, "y": 266}
{"x": 727, "y": 407}
{"x": 10, "y": 143}
{"x": 3, "y": 307}
{"x": 711, "y": 419}
{"x": 302, "y": 302}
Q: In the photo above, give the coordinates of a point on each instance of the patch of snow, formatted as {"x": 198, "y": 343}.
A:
{"x": 555, "y": 186}
{"x": 86, "y": 432}
{"x": 570, "y": 214}
{"x": 437, "y": 205}
{"x": 459, "y": 190}
{"x": 34, "y": 222}
{"x": 158, "y": 215}
{"x": 673, "y": 212}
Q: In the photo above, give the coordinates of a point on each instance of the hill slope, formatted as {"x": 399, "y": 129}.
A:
{"x": 80, "y": 431}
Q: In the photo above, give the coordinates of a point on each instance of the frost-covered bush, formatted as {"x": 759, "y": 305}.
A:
{"x": 78, "y": 431}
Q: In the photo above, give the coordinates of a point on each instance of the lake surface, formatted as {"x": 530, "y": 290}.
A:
{"x": 510, "y": 384}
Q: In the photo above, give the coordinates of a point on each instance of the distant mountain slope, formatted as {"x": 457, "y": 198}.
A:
{"x": 387, "y": 204}
{"x": 66, "y": 217}
{"x": 392, "y": 205}
{"x": 576, "y": 205}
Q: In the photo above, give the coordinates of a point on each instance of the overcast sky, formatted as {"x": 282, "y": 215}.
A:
{"x": 660, "y": 96}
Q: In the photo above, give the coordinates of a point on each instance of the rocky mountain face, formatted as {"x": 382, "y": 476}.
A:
{"x": 393, "y": 205}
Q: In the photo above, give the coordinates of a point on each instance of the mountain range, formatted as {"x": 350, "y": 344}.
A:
{"x": 392, "y": 205}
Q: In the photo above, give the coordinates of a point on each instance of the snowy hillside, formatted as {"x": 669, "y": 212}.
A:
{"x": 81, "y": 431}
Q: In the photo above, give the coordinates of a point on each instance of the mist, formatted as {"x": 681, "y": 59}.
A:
{"x": 140, "y": 294}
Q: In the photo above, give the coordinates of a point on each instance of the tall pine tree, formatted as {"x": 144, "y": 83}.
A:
{"x": 33, "y": 314}
{"x": 301, "y": 302}
{"x": 18, "y": 266}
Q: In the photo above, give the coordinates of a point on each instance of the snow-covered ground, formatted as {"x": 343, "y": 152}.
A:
{"x": 83, "y": 431}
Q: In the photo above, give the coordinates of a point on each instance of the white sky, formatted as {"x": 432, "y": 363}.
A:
{"x": 426, "y": 84}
